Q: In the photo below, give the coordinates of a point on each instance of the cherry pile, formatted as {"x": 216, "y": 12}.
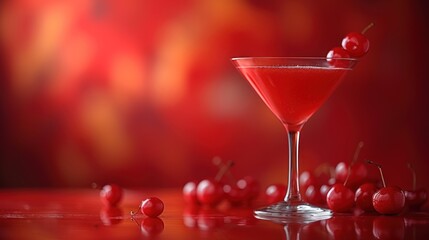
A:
{"x": 353, "y": 187}
{"x": 353, "y": 45}
{"x": 224, "y": 187}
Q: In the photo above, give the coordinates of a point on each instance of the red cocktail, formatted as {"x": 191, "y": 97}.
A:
{"x": 293, "y": 88}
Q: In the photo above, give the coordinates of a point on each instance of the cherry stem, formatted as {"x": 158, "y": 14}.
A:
{"x": 218, "y": 162}
{"x": 379, "y": 169}
{"x": 357, "y": 151}
{"x": 134, "y": 220}
{"x": 367, "y": 28}
{"x": 413, "y": 171}
{"x": 354, "y": 160}
{"x": 223, "y": 169}
{"x": 132, "y": 213}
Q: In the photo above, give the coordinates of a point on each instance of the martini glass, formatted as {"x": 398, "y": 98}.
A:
{"x": 294, "y": 88}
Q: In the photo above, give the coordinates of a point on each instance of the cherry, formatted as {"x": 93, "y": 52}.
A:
{"x": 152, "y": 207}
{"x": 363, "y": 197}
{"x": 341, "y": 171}
{"x": 111, "y": 194}
{"x": 316, "y": 194}
{"x": 275, "y": 193}
{"x": 235, "y": 194}
{"x": 306, "y": 179}
{"x": 356, "y": 43}
{"x": 322, "y": 174}
{"x": 340, "y": 198}
{"x": 189, "y": 192}
{"x": 251, "y": 185}
{"x": 324, "y": 189}
{"x": 337, "y": 52}
{"x": 387, "y": 200}
{"x": 358, "y": 175}
{"x": 243, "y": 191}
{"x": 209, "y": 192}
{"x": 335, "y": 57}
{"x": 415, "y": 198}
{"x": 313, "y": 195}
{"x": 313, "y": 185}
{"x": 213, "y": 191}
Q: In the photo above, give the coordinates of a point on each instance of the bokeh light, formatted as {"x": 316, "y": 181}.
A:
{"x": 142, "y": 93}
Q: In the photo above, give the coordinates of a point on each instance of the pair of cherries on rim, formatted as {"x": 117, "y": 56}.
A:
{"x": 211, "y": 192}
{"x": 112, "y": 194}
{"x": 353, "y": 45}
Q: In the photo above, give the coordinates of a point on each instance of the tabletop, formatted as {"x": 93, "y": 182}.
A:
{"x": 79, "y": 214}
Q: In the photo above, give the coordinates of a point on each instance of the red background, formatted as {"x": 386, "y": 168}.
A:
{"x": 142, "y": 93}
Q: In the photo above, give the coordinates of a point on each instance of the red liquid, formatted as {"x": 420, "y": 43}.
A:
{"x": 293, "y": 93}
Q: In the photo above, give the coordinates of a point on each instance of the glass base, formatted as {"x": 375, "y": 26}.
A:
{"x": 288, "y": 212}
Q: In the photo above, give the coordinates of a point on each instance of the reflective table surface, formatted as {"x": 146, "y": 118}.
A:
{"x": 79, "y": 214}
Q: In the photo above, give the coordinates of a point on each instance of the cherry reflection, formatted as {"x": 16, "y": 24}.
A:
{"x": 111, "y": 215}
{"x": 305, "y": 230}
{"x": 346, "y": 226}
{"x": 207, "y": 219}
{"x": 363, "y": 226}
{"x": 341, "y": 227}
{"x": 389, "y": 227}
{"x": 366, "y": 227}
{"x": 151, "y": 226}
{"x": 409, "y": 226}
{"x": 190, "y": 216}
{"x": 416, "y": 225}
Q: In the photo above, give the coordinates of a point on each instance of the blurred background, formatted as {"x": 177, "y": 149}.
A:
{"x": 142, "y": 93}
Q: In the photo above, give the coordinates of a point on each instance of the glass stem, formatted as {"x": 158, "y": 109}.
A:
{"x": 293, "y": 194}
